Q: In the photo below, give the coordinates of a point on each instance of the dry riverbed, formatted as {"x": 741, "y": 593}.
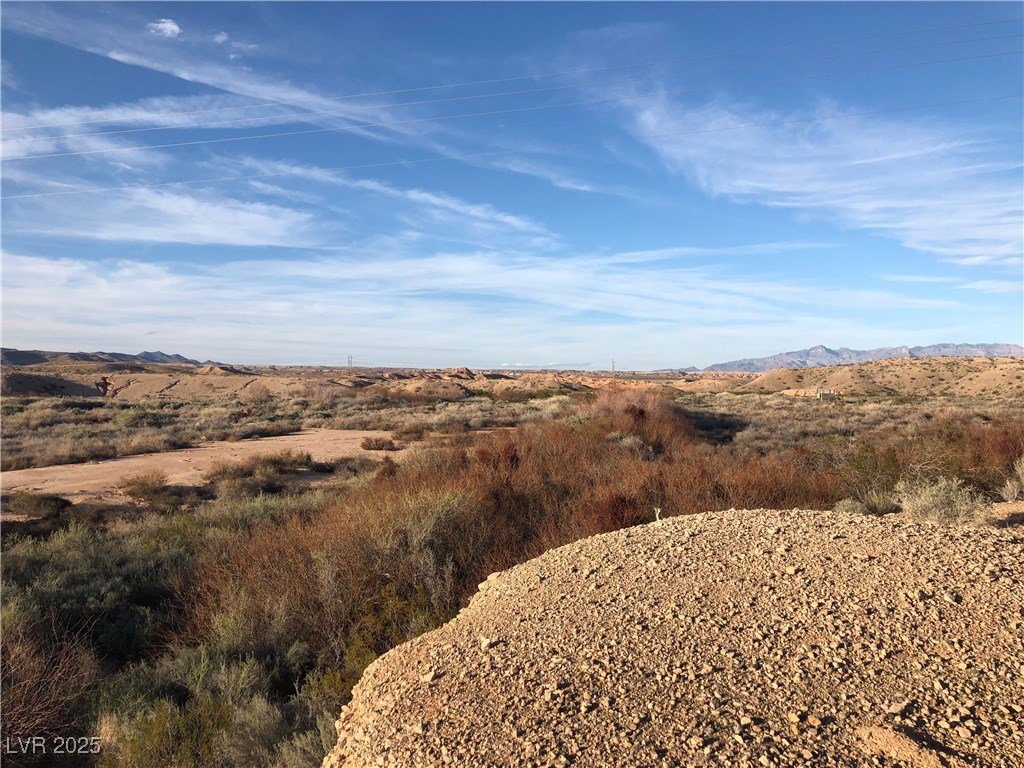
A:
{"x": 98, "y": 480}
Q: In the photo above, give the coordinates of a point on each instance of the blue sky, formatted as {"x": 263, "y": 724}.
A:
{"x": 663, "y": 184}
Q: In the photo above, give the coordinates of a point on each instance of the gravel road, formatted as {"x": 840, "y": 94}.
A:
{"x": 739, "y": 638}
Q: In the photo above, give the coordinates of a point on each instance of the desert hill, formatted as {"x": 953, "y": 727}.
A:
{"x": 9, "y": 356}
{"x": 925, "y": 377}
{"x": 753, "y": 638}
{"x": 821, "y": 355}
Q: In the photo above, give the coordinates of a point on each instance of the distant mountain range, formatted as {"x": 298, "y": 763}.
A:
{"x": 818, "y": 356}
{"x": 814, "y": 357}
{"x": 10, "y": 356}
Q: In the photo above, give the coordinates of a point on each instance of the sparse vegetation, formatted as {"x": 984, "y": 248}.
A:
{"x": 230, "y": 628}
{"x": 945, "y": 500}
{"x": 380, "y": 444}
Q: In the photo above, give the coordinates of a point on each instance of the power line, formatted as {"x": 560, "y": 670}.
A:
{"x": 479, "y": 155}
{"x": 302, "y": 116}
{"x": 496, "y": 81}
{"x": 536, "y": 108}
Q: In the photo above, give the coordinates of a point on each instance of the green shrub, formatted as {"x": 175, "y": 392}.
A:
{"x": 259, "y": 474}
{"x": 34, "y": 504}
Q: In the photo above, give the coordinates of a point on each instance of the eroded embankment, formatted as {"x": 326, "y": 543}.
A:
{"x": 731, "y": 638}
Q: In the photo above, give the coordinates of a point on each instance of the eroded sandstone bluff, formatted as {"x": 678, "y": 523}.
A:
{"x": 753, "y": 638}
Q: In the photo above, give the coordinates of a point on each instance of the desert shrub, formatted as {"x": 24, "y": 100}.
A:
{"x": 945, "y": 500}
{"x": 192, "y": 707}
{"x": 870, "y": 503}
{"x": 256, "y": 393}
{"x": 1013, "y": 488}
{"x": 135, "y": 418}
{"x": 145, "y": 486}
{"x": 850, "y": 507}
{"x": 379, "y": 444}
{"x": 879, "y": 502}
{"x": 110, "y": 589}
{"x": 412, "y": 432}
{"x": 45, "y": 674}
{"x": 260, "y": 474}
{"x": 34, "y": 504}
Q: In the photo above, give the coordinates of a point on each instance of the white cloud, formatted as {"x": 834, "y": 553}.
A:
{"x": 163, "y": 216}
{"x": 369, "y": 295}
{"x": 917, "y": 279}
{"x": 996, "y": 286}
{"x": 220, "y": 37}
{"x": 910, "y": 180}
{"x": 164, "y": 28}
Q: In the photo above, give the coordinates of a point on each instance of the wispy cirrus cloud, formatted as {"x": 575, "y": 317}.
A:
{"x": 376, "y": 290}
{"x": 165, "y": 216}
{"x": 996, "y": 286}
{"x": 917, "y": 279}
{"x": 910, "y": 180}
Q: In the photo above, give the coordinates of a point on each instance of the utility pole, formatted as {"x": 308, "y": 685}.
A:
{"x": 350, "y": 363}
{"x": 613, "y": 367}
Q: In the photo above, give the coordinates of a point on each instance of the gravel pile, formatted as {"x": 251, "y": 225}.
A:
{"x": 738, "y": 638}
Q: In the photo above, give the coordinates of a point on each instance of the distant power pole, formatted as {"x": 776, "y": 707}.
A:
{"x": 350, "y": 363}
{"x": 613, "y": 367}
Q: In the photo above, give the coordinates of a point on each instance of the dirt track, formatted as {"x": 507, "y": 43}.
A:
{"x": 98, "y": 480}
{"x": 738, "y": 638}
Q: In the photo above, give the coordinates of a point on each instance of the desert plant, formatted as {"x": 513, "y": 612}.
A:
{"x": 379, "y": 444}
{"x": 145, "y": 486}
{"x": 45, "y": 675}
{"x": 1013, "y": 488}
{"x": 945, "y": 500}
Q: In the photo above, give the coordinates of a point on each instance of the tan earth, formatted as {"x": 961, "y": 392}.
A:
{"x": 98, "y": 480}
{"x": 737, "y": 638}
{"x": 924, "y": 376}
{"x": 929, "y": 377}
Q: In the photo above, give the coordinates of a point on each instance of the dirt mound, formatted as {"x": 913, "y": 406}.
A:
{"x": 755, "y": 638}
{"x": 19, "y": 384}
{"x": 218, "y": 370}
{"x": 929, "y": 377}
{"x": 421, "y": 387}
{"x": 708, "y": 385}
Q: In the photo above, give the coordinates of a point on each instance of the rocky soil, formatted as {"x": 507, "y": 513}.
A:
{"x": 738, "y": 638}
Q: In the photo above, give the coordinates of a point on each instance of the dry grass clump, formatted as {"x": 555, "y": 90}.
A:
{"x": 944, "y": 500}
{"x": 379, "y": 444}
{"x": 145, "y": 486}
{"x": 1013, "y": 488}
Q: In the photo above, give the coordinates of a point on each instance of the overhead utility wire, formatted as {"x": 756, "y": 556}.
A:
{"x": 302, "y": 116}
{"x": 391, "y": 123}
{"x": 496, "y": 81}
{"x": 478, "y": 155}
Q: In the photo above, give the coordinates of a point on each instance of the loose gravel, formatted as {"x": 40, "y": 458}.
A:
{"x": 738, "y": 638}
